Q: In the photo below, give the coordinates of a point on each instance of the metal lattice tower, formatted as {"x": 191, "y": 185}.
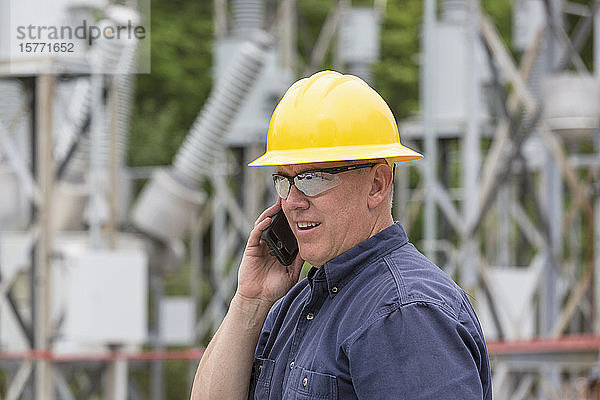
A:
{"x": 516, "y": 222}
{"x": 506, "y": 197}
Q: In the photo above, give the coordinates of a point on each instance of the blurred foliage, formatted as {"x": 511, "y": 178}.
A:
{"x": 311, "y": 14}
{"x": 397, "y": 73}
{"x": 501, "y": 14}
{"x": 169, "y": 98}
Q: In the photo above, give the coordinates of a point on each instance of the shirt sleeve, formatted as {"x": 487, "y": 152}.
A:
{"x": 260, "y": 348}
{"x": 419, "y": 351}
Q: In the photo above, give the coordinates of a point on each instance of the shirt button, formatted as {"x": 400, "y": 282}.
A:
{"x": 259, "y": 368}
{"x": 334, "y": 289}
{"x": 310, "y": 316}
{"x": 304, "y": 382}
{"x": 292, "y": 365}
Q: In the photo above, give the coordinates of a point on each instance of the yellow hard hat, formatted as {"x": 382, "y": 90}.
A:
{"x": 332, "y": 117}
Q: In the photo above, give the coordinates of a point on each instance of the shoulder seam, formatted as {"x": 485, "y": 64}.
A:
{"x": 402, "y": 294}
{"x": 384, "y": 312}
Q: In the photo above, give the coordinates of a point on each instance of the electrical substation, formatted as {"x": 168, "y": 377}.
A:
{"x": 506, "y": 198}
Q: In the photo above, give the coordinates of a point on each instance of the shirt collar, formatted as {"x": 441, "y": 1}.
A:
{"x": 338, "y": 271}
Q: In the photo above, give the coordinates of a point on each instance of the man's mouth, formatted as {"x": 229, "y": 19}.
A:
{"x": 303, "y": 226}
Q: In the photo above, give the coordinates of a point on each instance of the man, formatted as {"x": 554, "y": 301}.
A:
{"x": 374, "y": 319}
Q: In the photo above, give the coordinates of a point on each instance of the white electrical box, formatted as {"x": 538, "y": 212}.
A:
{"x": 513, "y": 294}
{"x": 450, "y": 80}
{"x": 98, "y": 297}
{"x": 359, "y": 35}
{"x": 572, "y": 104}
{"x": 106, "y": 297}
{"x": 451, "y": 77}
{"x": 529, "y": 17}
{"x": 177, "y": 317}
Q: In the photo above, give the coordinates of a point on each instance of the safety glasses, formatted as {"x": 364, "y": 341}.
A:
{"x": 313, "y": 182}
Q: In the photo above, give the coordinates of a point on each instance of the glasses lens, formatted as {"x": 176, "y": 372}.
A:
{"x": 282, "y": 186}
{"x": 314, "y": 183}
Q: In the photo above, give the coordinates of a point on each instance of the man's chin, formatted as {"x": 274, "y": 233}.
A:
{"x": 310, "y": 257}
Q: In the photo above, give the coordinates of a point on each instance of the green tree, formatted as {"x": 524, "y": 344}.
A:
{"x": 397, "y": 74}
{"x": 169, "y": 98}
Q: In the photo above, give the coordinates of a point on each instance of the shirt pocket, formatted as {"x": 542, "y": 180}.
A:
{"x": 262, "y": 374}
{"x": 304, "y": 384}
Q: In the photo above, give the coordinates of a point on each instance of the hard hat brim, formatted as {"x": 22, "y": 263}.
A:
{"x": 341, "y": 153}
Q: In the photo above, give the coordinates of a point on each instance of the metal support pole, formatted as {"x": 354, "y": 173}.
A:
{"x": 551, "y": 187}
{"x": 287, "y": 29}
{"x": 115, "y": 164}
{"x": 220, "y": 16}
{"x": 428, "y": 94}
{"x": 597, "y": 202}
{"x": 116, "y": 374}
{"x": 196, "y": 259}
{"x": 157, "y": 368}
{"x": 33, "y": 220}
{"x": 254, "y": 189}
{"x": 218, "y": 239}
{"x": 597, "y": 243}
{"x": 401, "y": 195}
{"x": 552, "y": 206}
{"x": 41, "y": 279}
{"x": 502, "y": 253}
{"x": 471, "y": 150}
{"x": 96, "y": 132}
{"x": 116, "y": 379}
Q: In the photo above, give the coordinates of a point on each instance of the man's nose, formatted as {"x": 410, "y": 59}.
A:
{"x": 296, "y": 199}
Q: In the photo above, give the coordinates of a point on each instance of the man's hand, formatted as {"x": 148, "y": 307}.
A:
{"x": 261, "y": 276}
{"x": 224, "y": 370}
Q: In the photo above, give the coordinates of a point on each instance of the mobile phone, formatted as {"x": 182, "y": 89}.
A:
{"x": 280, "y": 239}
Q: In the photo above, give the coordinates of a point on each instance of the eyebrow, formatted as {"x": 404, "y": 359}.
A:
{"x": 333, "y": 170}
{"x": 302, "y": 172}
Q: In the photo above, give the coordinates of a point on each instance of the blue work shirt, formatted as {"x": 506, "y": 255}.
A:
{"x": 380, "y": 321}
